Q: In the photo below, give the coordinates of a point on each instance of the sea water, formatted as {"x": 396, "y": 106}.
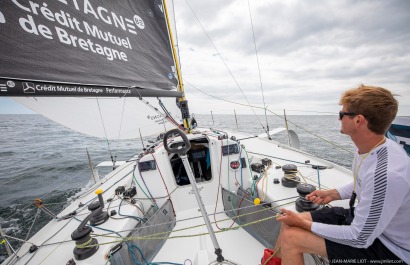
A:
{"x": 42, "y": 159}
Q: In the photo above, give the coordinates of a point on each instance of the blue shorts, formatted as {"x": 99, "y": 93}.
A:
{"x": 343, "y": 254}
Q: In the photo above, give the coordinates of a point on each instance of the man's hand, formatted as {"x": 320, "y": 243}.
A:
{"x": 323, "y": 196}
{"x": 293, "y": 219}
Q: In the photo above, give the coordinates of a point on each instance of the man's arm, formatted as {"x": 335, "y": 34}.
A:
{"x": 293, "y": 219}
{"x": 324, "y": 196}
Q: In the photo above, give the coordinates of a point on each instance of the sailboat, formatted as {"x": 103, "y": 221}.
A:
{"x": 196, "y": 195}
{"x": 399, "y": 132}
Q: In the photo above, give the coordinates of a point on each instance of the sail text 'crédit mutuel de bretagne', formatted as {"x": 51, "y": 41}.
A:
{"x": 68, "y": 28}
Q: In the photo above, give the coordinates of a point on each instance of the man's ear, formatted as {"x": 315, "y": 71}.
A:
{"x": 360, "y": 120}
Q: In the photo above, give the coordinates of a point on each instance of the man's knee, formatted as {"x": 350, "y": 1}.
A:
{"x": 289, "y": 235}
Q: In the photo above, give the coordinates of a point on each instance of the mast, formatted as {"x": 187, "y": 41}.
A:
{"x": 182, "y": 100}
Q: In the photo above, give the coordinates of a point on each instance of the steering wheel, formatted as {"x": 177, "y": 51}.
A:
{"x": 181, "y": 150}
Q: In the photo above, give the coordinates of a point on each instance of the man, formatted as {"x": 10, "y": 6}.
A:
{"x": 378, "y": 227}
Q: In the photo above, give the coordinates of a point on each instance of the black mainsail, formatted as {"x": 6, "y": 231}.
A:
{"x": 85, "y": 50}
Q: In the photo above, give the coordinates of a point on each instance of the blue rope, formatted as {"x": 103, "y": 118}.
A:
{"x": 134, "y": 259}
{"x": 130, "y": 246}
{"x": 145, "y": 184}
{"x": 135, "y": 217}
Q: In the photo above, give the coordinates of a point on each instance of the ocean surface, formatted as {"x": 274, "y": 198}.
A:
{"x": 42, "y": 159}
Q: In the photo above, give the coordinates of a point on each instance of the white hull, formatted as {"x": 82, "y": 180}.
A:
{"x": 189, "y": 244}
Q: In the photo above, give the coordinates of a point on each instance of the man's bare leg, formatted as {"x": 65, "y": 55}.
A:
{"x": 296, "y": 241}
{"x": 304, "y": 215}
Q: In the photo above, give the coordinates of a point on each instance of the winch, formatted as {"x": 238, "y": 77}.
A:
{"x": 302, "y": 204}
{"x": 289, "y": 179}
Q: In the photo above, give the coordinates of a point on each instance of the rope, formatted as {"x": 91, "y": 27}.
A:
{"x": 303, "y": 177}
{"x": 139, "y": 228}
{"x": 291, "y": 175}
{"x": 323, "y": 139}
{"x": 259, "y": 71}
{"x": 264, "y": 182}
{"x": 119, "y": 131}
{"x": 85, "y": 244}
{"x": 222, "y": 220}
{"x": 284, "y": 159}
{"x": 200, "y": 216}
{"x": 223, "y": 61}
{"x": 219, "y": 184}
{"x": 166, "y": 187}
{"x": 35, "y": 218}
{"x": 164, "y": 116}
{"x": 135, "y": 179}
{"x": 105, "y": 132}
{"x": 27, "y": 171}
{"x": 69, "y": 220}
{"x": 256, "y": 107}
{"x": 145, "y": 184}
{"x": 171, "y": 119}
{"x": 152, "y": 237}
{"x": 139, "y": 219}
{"x": 271, "y": 257}
{"x": 46, "y": 194}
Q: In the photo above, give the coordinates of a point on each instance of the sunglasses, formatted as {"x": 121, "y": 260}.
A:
{"x": 343, "y": 113}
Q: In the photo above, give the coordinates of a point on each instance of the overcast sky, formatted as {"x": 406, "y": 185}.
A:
{"x": 309, "y": 53}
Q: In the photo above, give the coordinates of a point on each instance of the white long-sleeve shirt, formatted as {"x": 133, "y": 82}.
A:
{"x": 383, "y": 208}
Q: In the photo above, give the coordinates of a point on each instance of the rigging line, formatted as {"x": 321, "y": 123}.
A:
{"x": 149, "y": 237}
{"x": 105, "y": 132}
{"x": 328, "y": 112}
{"x": 43, "y": 244}
{"x": 223, "y": 61}
{"x": 259, "y": 71}
{"x": 152, "y": 236}
{"x": 119, "y": 131}
{"x": 176, "y": 36}
{"x": 166, "y": 187}
{"x": 233, "y": 102}
{"x": 61, "y": 184}
{"x": 27, "y": 173}
{"x": 298, "y": 126}
{"x": 170, "y": 118}
{"x": 46, "y": 241}
{"x": 221, "y": 212}
{"x": 246, "y": 105}
{"x": 44, "y": 195}
{"x": 251, "y": 206}
{"x": 165, "y": 116}
{"x": 35, "y": 218}
{"x": 145, "y": 184}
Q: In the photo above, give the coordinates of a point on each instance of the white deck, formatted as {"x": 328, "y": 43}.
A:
{"x": 237, "y": 245}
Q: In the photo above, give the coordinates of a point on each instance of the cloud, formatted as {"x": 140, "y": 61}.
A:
{"x": 309, "y": 52}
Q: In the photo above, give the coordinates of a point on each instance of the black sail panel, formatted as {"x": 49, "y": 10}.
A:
{"x": 17, "y": 88}
{"x": 99, "y": 43}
